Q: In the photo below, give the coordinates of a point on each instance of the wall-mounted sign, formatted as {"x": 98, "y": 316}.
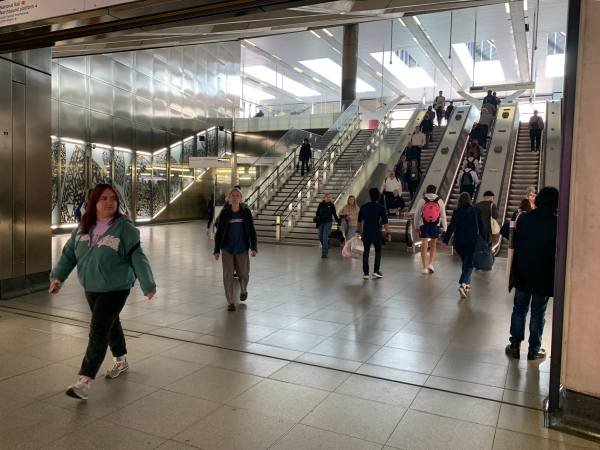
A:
{"x": 13, "y": 12}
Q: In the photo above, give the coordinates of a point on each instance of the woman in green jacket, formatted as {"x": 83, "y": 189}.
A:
{"x": 106, "y": 250}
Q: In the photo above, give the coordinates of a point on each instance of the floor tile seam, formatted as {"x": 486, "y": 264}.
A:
{"x": 284, "y": 435}
{"x": 341, "y": 434}
{"x": 337, "y": 369}
{"x": 387, "y": 441}
{"x": 432, "y": 374}
{"x": 454, "y": 418}
{"x": 69, "y": 433}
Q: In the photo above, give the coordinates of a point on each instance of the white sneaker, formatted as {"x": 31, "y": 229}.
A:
{"x": 366, "y": 276}
{"x": 425, "y": 271}
{"x": 377, "y": 275}
{"x": 80, "y": 389}
{"x": 118, "y": 368}
{"x": 431, "y": 268}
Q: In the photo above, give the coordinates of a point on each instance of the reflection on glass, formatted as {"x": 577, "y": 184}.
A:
{"x": 101, "y": 165}
{"x": 123, "y": 177}
{"x": 72, "y": 185}
{"x": 143, "y": 185}
{"x": 159, "y": 182}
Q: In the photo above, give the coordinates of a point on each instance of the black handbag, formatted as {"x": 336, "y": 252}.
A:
{"x": 483, "y": 258}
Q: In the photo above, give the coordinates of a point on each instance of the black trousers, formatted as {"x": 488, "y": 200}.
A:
{"x": 535, "y": 136}
{"x": 304, "y": 164}
{"x": 105, "y": 330}
{"x": 469, "y": 189}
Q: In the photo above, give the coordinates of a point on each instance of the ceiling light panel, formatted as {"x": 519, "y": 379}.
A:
{"x": 412, "y": 77}
{"x": 279, "y": 81}
{"x": 255, "y": 95}
{"x": 332, "y": 71}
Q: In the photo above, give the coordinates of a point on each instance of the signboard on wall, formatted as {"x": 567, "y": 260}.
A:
{"x": 13, "y": 12}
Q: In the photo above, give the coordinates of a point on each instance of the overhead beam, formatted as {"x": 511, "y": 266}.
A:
{"x": 428, "y": 47}
{"x": 517, "y": 20}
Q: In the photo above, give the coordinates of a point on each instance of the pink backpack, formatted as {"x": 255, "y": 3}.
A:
{"x": 431, "y": 211}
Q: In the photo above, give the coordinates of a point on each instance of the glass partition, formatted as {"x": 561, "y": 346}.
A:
{"x": 123, "y": 177}
{"x": 159, "y": 181}
{"x": 101, "y": 165}
{"x": 143, "y": 185}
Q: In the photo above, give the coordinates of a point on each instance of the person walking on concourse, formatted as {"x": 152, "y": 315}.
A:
{"x": 371, "y": 217}
{"x": 532, "y": 273}
{"x": 324, "y": 218}
{"x": 235, "y": 236}
{"x": 105, "y": 247}
{"x": 430, "y": 218}
{"x": 465, "y": 225}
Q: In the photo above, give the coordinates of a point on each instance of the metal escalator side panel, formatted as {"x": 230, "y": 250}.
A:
{"x": 551, "y": 145}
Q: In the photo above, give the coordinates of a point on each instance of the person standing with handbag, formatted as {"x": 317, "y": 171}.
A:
{"x": 467, "y": 226}
{"x": 106, "y": 250}
{"x": 489, "y": 213}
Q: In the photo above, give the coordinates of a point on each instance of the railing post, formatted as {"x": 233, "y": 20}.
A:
{"x": 278, "y": 227}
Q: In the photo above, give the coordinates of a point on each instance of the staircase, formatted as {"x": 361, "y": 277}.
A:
{"x": 304, "y": 231}
{"x": 525, "y": 170}
{"x": 398, "y": 225}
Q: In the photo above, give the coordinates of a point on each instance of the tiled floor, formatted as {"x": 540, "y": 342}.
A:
{"x": 328, "y": 361}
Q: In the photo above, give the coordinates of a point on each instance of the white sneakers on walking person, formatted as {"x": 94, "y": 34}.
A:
{"x": 120, "y": 366}
{"x": 81, "y": 388}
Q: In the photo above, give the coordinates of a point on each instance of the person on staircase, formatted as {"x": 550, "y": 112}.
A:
{"x": 530, "y": 194}
{"x": 439, "y": 103}
{"x": 465, "y": 225}
{"x": 349, "y": 217}
{"x": 417, "y": 143}
{"x": 489, "y": 212}
{"x": 532, "y": 273}
{"x": 427, "y": 124}
{"x": 371, "y": 218}
{"x": 305, "y": 156}
{"x": 430, "y": 218}
{"x": 468, "y": 179}
{"x": 324, "y": 217}
{"x": 536, "y": 125}
{"x": 390, "y": 184}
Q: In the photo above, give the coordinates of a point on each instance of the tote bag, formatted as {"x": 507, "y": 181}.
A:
{"x": 483, "y": 259}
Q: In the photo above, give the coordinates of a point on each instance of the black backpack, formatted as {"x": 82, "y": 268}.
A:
{"x": 471, "y": 164}
{"x": 467, "y": 179}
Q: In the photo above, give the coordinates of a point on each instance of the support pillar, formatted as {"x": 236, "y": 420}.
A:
{"x": 576, "y": 341}
{"x": 349, "y": 64}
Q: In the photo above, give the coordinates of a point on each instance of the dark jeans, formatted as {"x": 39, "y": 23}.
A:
{"x": 439, "y": 112}
{"x": 304, "y": 164}
{"x": 105, "y": 330}
{"x": 536, "y": 322}
{"x": 367, "y": 241}
{"x": 467, "y": 268}
{"x": 324, "y": 230}
{"x": 535, "y": 136}
{"x": 412, "y": 188}
{"x": 470, "y": 189}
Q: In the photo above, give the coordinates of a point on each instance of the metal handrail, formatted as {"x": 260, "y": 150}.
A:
{"x": 253, "y": 199}
{"x": 508, "y": 172}
{"x": 542, "y": 165}
{"x": 329, "y": 158}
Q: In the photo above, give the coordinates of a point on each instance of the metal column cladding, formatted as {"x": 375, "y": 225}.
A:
{"x": 349, "y": 64}
{"x": 6, "y": 222}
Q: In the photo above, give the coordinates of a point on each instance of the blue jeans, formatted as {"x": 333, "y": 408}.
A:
{"x": 324, "y": 230}
{"x": 536, "y": 322}
{"x": 467, "y": 269}
{"x": 367, "y": 241}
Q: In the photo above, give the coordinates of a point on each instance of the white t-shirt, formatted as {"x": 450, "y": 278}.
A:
{"x": 392, "y": 184}
{"x": 418, "y": 139}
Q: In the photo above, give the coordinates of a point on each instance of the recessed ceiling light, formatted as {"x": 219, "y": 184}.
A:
{"x": 275, "y": 56}
{"x": 250, "y": 42}
{"x": 507, "y": 8}
{"x": 298, "y": 69}
{"x": 525, "y": 5}
{"x": 417, "y": 20}
{"x": 379, "y": 74}
{"x": 267, "y": 75}
{"x": 315, "y": 33}
{"x": 402, "y": 22}
{"x": 412, "y": 77}
{"x": 316, "y": 79}
{"x": 327, "y": 32}
{"x": 332, "y": 71}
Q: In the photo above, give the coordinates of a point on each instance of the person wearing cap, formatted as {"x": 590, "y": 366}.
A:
{"x": 234, "y": 241}
{"x": 489, "y": 211}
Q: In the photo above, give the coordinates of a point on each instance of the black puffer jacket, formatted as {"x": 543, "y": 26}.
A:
{"x": 223, "y": 227}
{"x": 326, "y": 213}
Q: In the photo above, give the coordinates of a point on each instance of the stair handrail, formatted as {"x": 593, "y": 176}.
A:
{"x": 371, "y": 145}
{"x": 268, "y": 182}
{"x": 507, "y": 175}
{"x": 292, "y": 205}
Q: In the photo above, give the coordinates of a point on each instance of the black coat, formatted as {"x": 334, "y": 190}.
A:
{"x": 464, "y": 225}
{"x": 305, "y": 152}
{"x": 326, "y": 213}
{"x": 534, "y": 244}
{"x": 223, "y": 227}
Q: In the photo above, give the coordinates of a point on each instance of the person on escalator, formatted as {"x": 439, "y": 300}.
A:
{"x": 449, "y": 110}
{"x": 530, "y": 195}
{"x": 397, "y": 204}
{"x": 430, "y": 218}
{"x": 390, "y": 184}
{"x": 427, "y": 124}
{"x": 413, "y": 178}
{"x": 468, "y": 180}
{"x": 532, "y": 273}
{"x": 474, "y": 150}
{"x": 536, "y": 125}
{"x": 417, "y": 143}
{"x": 472, "y": 161}
{"x": 438, "y": 104}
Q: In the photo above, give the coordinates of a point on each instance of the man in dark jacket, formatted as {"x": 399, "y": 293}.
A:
{"x": 371, "y": 217}
{"x": 324, "y": 217}
{"x": 489, "y": 211}
{"x": 305, "y": 155}
{"x": 532, "y": 273}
